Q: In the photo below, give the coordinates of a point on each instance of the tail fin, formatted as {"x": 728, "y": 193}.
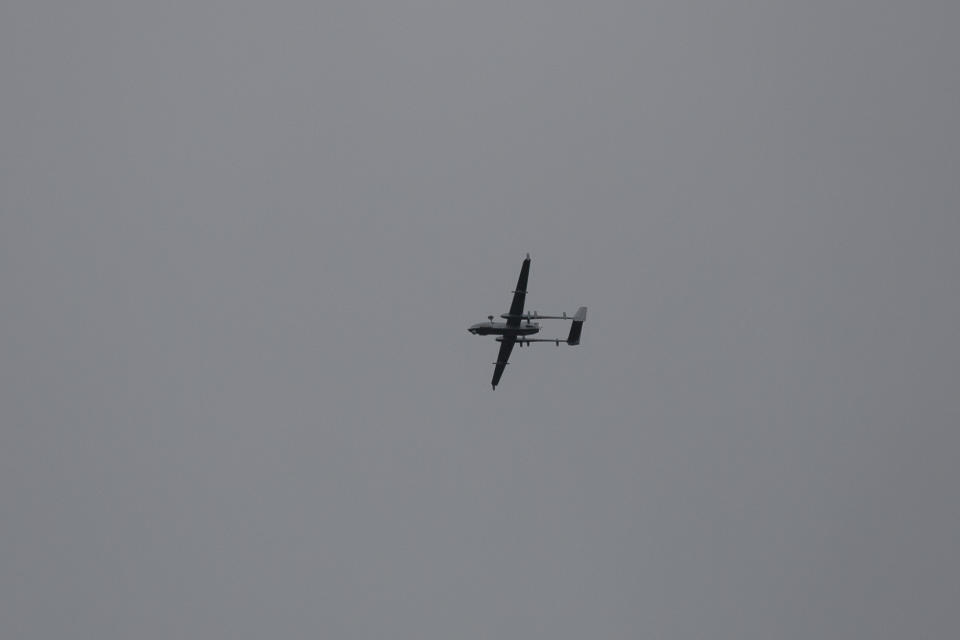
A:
{"x": 577, "y": 326}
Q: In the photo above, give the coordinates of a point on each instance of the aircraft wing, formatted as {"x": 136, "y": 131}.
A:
{"x": 505, "y": 348}
{"x": 519, "y": 296}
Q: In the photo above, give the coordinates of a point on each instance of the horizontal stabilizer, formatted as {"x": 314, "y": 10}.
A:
{"x": 577, "y": 326}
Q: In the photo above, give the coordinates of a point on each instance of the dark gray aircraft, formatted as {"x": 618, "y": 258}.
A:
{"x": 519, "y": 325}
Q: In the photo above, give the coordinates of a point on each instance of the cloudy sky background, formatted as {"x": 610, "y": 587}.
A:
{"x": 241, "y": 242}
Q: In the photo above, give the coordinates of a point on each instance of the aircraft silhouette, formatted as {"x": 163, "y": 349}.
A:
{"x": 519, "y": 325}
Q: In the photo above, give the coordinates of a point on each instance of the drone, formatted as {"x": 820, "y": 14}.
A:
{"x": 519, "y": 325}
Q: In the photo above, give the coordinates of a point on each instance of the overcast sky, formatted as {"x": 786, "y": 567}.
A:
{"x": 241, "y": 243}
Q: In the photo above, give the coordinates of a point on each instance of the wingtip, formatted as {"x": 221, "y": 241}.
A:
{"x": 528, "y": 256}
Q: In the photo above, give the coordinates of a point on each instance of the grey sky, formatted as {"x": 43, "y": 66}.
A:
{"x": 240, "y": 246}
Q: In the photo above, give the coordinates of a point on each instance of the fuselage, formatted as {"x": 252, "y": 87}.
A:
{"x": 502, "y": 329}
